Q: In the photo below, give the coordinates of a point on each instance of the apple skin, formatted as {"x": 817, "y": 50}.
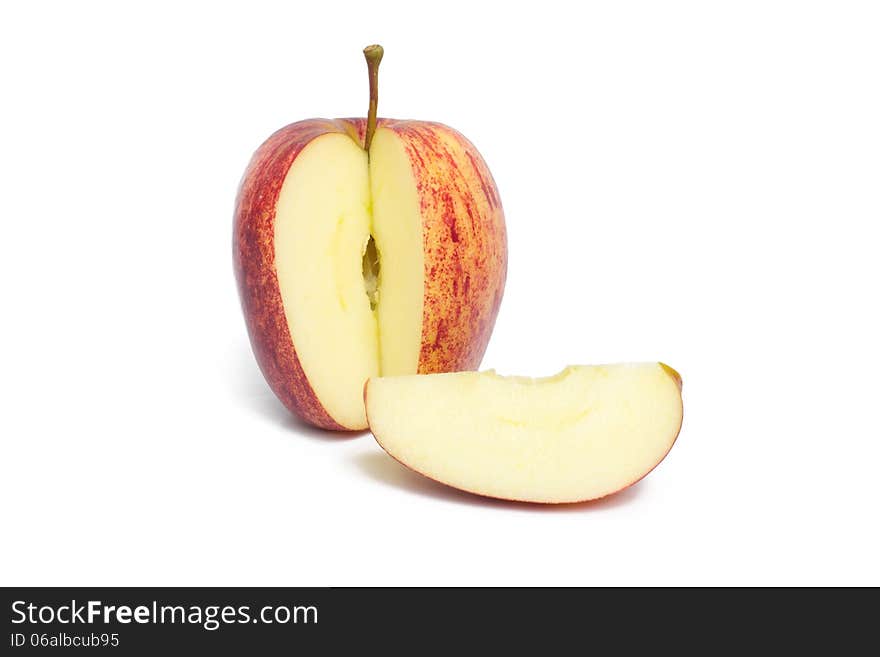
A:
{"x": 673, "y": 374}
{"x": 464, "y": 244}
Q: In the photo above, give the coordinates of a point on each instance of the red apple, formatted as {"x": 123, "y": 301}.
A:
{"x": 366, "y": 247}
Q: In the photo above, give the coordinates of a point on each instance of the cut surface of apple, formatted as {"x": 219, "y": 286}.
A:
{"x": 583, "y": 434}
{"x": 337, "y": 212}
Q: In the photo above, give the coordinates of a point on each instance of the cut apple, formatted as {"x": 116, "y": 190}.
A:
{"x": 580, "y": 435}
{"x": 364, "y": 248}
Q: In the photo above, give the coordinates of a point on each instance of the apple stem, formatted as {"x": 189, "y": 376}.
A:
{"x": 373, "y": 55}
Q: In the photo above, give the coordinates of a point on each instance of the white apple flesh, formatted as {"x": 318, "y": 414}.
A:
{"x": 580, "y": 435}
{"x": 323, "y": 229}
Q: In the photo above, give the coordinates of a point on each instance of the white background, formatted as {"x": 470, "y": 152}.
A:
{"x": 692, "y": 182}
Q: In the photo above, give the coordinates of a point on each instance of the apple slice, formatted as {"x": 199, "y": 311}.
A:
{"x": 582, "y": 434}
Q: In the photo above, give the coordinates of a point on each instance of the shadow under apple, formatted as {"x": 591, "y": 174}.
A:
{"x": 256, "y": 396}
